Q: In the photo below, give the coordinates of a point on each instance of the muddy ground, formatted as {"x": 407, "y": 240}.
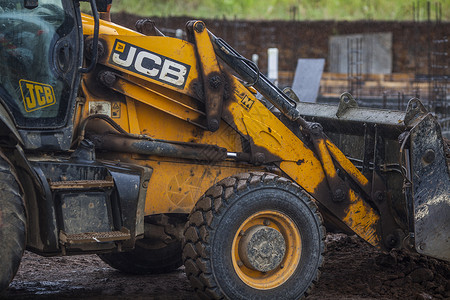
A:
{"x": 352, "y": 270}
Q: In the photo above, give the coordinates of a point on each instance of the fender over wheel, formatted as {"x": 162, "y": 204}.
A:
{"x": 254, "y": 236}
{"x": 12, "y": 224}
{"x": 158, "y": 252}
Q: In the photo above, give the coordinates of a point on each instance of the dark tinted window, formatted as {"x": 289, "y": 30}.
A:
{"x": 35, "y": 55}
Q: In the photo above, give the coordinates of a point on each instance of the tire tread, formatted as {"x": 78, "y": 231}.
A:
{"x": 211, "y": 205}
{"x": 11, "y": 202}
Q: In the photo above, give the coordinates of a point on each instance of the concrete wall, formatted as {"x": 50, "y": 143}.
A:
{"x": 369, "y": 53}
{"x": 410, "y": 41}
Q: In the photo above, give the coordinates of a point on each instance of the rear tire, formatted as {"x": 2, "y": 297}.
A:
{"x": 254, "y": 236}
{"x": 12, "y": 224}
{"x": 158, "y": 252}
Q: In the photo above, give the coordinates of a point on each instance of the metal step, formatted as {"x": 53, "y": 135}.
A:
{"x": 81, "y": 184}
{"x": 94, "y": 237}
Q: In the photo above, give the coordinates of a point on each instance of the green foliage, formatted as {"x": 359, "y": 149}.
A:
{"x": 285, "y": 9}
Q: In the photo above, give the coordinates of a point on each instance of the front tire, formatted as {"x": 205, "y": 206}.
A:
{"x": 254, "y": 236}
{"x": 12, "y": 224}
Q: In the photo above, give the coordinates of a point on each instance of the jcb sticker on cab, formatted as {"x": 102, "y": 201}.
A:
{"x": 36, "y": 95}
{"x": 149, "y": 64}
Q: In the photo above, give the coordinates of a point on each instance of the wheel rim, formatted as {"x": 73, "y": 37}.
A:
{"x": 275, "y": 224}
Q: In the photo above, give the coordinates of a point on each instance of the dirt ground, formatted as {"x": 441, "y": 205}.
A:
{"x": 352, "y": 270}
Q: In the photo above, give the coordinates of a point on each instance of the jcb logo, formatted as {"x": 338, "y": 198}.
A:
{"x": 247, "y": 102}
{"x": 36, "y": 95}
{"x": 149, "y": 64}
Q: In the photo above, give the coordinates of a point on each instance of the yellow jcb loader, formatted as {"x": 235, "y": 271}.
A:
{"x": 154, "y": 152}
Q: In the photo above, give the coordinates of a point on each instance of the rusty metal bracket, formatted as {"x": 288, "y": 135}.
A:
{"x": 291, "y": 94}
{"x": 83, "y": 238}
{"x": 346, "y": 101}
{"x": 146, "y": 26}
{"x": 414, "y": 111}
{"x": 213, "y": 80}
{"x": 81, "y": 184}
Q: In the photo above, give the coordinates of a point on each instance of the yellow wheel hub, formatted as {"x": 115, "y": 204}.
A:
{"x": 266, "y": 249}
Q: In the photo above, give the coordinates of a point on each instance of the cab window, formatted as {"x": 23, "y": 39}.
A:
{"x": 37, "y": 61}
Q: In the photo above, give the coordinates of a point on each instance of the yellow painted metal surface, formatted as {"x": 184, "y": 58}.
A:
{"x": 205, "y": 50}
{"x": 105, "y": 27}
{"x": 132, "y": 117}
{"x": 299, "y": 162}
{"x": 175, "y": 104}
{"x": 347, "y": 164}
{"x": 175, "y": 187}
{"x": 168, "y": 106}
{"x": 362, "y": 219}
{"x": 325, "y": 157}
{"x": 252, "y": 118}
{"x": 120, "y": 109}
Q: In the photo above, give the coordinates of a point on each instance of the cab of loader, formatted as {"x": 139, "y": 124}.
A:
{"x": 49, "y": 192}
{"x": 40, "y": 59}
